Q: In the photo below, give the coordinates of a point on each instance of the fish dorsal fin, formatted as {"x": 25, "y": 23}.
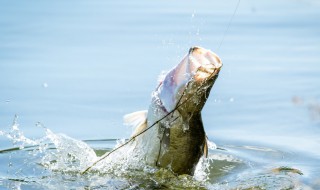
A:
{"x": 138, "y": 120}
{"x": 205, "y": 148}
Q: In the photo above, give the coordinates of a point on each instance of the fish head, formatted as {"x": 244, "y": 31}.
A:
{"x": 190, "y": 81}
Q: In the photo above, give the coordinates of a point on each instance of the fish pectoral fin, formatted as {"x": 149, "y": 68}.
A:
{"x": 139, "y": 129}
{"x": 205, "y": 148}
{"x": 138, "y": 120}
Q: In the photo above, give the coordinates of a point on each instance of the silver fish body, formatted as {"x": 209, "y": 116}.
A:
{"x": 171, "y": 133}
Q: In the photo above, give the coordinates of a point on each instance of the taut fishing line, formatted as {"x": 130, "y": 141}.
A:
{"x": 214, "y": 73}
{"x": 228, "y": 26}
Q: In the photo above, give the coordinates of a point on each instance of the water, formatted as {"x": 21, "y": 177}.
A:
{"x": 77, "y": 67}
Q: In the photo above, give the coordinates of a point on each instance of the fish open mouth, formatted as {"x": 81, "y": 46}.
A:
{"x": 211, "y": 58}
{"x": 207, "y": 63}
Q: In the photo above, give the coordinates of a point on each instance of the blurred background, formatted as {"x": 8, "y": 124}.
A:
{"x": 79, "y": 66}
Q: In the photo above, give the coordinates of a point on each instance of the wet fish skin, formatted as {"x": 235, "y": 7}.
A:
{"x": 185, "y": 147}
{"x": 178, "y": 141}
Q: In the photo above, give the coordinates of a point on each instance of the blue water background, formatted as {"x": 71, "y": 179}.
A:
{"x": 79, "y": 66}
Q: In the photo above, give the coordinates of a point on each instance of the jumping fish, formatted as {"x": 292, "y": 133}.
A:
{"x": 171, "y": 134}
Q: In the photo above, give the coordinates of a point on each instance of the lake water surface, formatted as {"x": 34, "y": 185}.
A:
{"x": 76, "y": 67}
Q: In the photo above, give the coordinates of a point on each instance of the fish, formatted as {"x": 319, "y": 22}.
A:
{"x": 170, "y": 134}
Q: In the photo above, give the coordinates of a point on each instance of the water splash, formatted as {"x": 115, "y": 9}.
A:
{"x": 17, "y": 137}
{"x": 70, "y": 155}
{"x": 58, "y": 158}
{"x": 56, "y": 161}
{"x": 57, "y": 152}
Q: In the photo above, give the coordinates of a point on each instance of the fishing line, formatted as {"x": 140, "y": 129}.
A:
{"x": 227, "y": 29}
{"x": 184, "y": 90}
{"x": 213, "y": 74}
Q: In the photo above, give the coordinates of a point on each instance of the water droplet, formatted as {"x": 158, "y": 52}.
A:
{"x": 231, "y": 99}
{"x": 15, "y": 127}
{"x": 45, "y": 85}
{"x": 198, "y": 32}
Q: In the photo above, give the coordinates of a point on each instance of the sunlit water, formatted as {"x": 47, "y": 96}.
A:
{"x": 71, "y": 70}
